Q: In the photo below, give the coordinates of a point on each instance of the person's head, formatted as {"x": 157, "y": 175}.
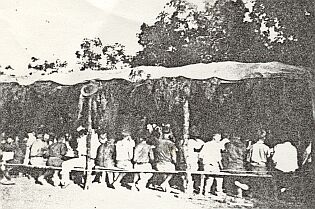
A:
{"x": 102, "y": 137}
{"x": 46, "y": 137}
{"x": 194, "y": 132}
{"x": 261, "y": 134}
{"x": 60, "y": 138}
{"x": 40, "y": 136}
{"x": 216, "y": 137}
{"x": 67, "y": 137}
{"x": 125, "y": 133}
{"x": 23, "y": 136}
{"x": 142, "y": 136}
{"x": 9, "y": 140}
{"x": 157, "y": 132}
{"x": 225, "y": 135}
{"x": 149, "y": 128}
{"x": 166, "y": 129}
{"x": 31, "y": 134}
{"x": 141, "y": 139}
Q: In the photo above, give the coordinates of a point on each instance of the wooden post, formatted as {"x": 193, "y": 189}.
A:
{"x": 186, "y": 136}
{"x": 88, "y": 146}
{"x": 311, "y": 85}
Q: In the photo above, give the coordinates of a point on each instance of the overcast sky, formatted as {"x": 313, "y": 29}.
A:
{"x": 51, "y": 29}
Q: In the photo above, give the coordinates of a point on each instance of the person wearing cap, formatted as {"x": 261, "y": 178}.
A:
{"x": 165, "y": 156}
{"x": 124, "y": 154}
{"x": 210, "y": 156}
{"x": 143, "y": 155}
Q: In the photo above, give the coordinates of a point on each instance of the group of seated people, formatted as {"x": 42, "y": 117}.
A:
{"x": 154, "y": 149}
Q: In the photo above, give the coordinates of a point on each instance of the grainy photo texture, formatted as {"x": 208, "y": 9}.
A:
{"x": 159, "y": 104}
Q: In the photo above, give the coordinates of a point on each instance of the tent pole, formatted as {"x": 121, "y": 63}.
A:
{"x": 311, "y": 85}
{"x": 88, "y": 146}
{"x": 186, "y": 134}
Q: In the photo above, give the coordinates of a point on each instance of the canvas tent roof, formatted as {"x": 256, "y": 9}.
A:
{"x": 230, "y": 71}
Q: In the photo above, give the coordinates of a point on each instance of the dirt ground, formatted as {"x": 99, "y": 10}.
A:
{"x": 25, "y": 194}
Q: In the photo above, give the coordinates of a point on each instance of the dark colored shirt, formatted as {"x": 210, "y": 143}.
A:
{"x": 105, "y": 154}
{"x": 57, "y": 149}
{"x": 164, "y": 151}
{"x": 233, "y": 157}
{"x": 6, "y": 147}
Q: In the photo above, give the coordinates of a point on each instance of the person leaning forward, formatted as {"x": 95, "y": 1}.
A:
{"x": 143, "y": 155}
{"x": 165, "y": 157}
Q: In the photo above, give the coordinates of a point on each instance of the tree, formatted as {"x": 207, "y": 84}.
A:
{"x": 93, "y": 55}
{"x": 271, "y": 30}
{"x": 7, "y": 70}
{"x": 288, "y": 29}
{"x": 185, "y": 35}
{"x": 115, "y": 57}
{"x": 90, "y": 54}
{"x": 46, "y": 67}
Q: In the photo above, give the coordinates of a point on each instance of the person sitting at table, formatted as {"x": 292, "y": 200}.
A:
{"x": 259, "y": 154}
{"x": 7, "y": 149}
{"x": 234, "y": 157}
{"x": 56, "y": 156}
{"x": 105, "y": 157}
{"x": 124, "y": 155}
{"x": 165, "y": 156}
{"x": 286, "y": 163}
{"x": 143, "y": 155}
{"x": 78, "y": 161}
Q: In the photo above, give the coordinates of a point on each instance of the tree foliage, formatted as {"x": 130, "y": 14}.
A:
{"x": 93, "y": 55}
{"x": 46, "y": 66}
{"x": 292, "y": 24}
{"x": 186, "y": 35}
{"x": 229, "y": 30}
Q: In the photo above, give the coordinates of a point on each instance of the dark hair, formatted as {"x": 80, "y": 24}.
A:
{"x": 83, "y": 132}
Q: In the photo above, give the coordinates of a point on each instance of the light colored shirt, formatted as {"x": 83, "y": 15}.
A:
{"x": 82, "y": 145}
{"x": 211, "y": 152}
{"x": 38, "y": 148}
{"x": 94, "y": 144}
{"x": 285, "y": 157}
{"x": 259, "y": 153}
{"x": 192, "y": 145}
{"x": 124, "y": 149}
{"x": 143, "y": 153}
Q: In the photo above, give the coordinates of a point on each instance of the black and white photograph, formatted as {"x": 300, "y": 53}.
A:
{"x": 157, "y": 104}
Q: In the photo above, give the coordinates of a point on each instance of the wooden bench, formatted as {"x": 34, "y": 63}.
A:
{"x": 203, "y": 174}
